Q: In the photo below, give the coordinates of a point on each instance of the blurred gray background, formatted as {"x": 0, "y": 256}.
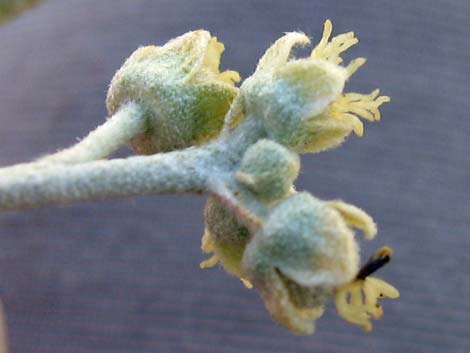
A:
{"x": 123, "y": 275}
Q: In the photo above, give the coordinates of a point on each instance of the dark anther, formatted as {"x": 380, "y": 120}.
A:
{"x": 376, "y": 261}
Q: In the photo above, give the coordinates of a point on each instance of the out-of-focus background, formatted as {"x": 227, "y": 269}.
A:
{"x": 12, "y": 8}
{"x": 123, "y": 275}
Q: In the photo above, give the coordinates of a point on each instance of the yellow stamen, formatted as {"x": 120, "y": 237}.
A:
{"x": 330, "y": 50}
{"x": 353, "y": 106}
{"x": 210, "y": 262}
{"x": 354, "y": 65}
{"x": 246, "y": 283}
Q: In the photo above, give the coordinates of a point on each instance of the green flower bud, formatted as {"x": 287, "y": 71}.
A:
{"x": 300, "y": 101}
{"x": 287, "y": 98}
{"x": 303, "y": 251}
{"x": 309, "y": 242}
{"x": 268, "y": 169}
{"x": 180, "y": 89}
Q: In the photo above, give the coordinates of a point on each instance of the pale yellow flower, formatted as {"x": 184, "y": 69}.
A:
{"x": 300, "y": 101}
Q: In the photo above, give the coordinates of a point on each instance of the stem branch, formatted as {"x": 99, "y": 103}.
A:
{"x": 180, "y": 171}
{"x": 100, "y": 143}
{"x": 105, "y": 139}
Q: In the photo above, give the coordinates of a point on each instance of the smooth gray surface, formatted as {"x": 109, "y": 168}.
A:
{"x": 123, "y": 276}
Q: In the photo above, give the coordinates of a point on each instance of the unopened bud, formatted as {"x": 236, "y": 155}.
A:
{"x": 180, "y": 89}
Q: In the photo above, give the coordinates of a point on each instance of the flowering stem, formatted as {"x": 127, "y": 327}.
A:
{"x": 208, "y": 169}
{"x": 100, "y": 143}
{"x": 180, "y": 171}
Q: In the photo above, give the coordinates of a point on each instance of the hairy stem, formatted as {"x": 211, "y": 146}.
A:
{"x": 180, "y": 171}
{"x": 105, "y": 139}
{"x": 100, "y": 143}
{"x": 70, "y": 176}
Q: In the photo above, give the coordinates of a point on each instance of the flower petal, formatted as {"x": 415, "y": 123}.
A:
{"x": 279, "y": 53}
{"x": 356, "y": 302}
{"x": 355, "y": 217}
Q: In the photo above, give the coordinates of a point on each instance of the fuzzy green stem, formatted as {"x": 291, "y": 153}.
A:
{"x": 100, "y": 143}
{"x": 180, "y": 171}
{"x": 206, "y": 169}
{"x": 105, "y": 139}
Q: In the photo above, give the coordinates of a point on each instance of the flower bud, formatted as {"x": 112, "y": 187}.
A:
{"x": 180, "y": 89}
{"x": 303, "y": 251}
{"x": 309, "y": 242}
{"x": 300, "y": 101}
{"x": 268, "y": 169}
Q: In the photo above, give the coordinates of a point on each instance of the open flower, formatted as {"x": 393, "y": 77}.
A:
{"x": 300, "y": 101}
{"x": 302, "y": 253}
{"x": 180, "y": 88}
